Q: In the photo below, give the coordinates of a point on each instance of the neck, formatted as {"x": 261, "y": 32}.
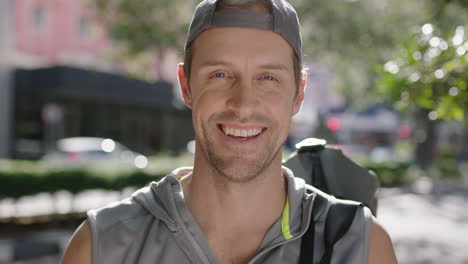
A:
{"x": 235, "y": 206}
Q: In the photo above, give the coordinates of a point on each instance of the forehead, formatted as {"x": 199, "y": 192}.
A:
{"x": 240, "y": 44}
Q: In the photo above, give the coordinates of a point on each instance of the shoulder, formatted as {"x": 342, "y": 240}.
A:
{"x": 125, "y": 211}
{"x": 380, "y": 246}
{"x": 125, "y": 215}
{"x": 79, "y": 247}
{"x": 122, "y": 219}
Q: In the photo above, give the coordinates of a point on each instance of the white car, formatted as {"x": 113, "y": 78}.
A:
{"x": 83, "y": 151}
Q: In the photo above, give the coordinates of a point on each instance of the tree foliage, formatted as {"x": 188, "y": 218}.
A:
{"x": 429, "y": 71}
{"x": 144, "y": 31}
{"x": 350, "y": 37}
{"x": 145, "y": 24}
{"x": 427, "y": 76}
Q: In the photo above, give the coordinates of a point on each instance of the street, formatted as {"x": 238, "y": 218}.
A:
{"x": 427, "y": 227}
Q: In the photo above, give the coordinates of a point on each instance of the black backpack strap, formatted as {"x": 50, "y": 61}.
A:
{"x": 307, "y": 243}
{"x": 318, "y": 177}
{"x": 339, "y": 218}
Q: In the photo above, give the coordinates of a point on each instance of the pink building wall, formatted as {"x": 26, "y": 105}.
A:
{"x": 58, "y": 36}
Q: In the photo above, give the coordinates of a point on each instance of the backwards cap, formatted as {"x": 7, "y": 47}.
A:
{"x": 282, "y": 20}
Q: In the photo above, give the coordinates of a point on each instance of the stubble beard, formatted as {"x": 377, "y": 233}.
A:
{"x": 238, "y": 169}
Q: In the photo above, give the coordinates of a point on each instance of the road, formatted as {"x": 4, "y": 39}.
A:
{"x": 427, "y": 225}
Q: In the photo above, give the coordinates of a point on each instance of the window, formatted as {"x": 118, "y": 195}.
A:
{"x": 38, "y": 17}
{"x": 84, "y": 27}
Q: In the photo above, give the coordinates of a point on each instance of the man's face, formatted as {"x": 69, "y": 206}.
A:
{"x": 242, "y": 94}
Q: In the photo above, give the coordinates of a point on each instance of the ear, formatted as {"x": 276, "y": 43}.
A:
{"x": 300, "y": 93}
{"x": 184, "y": 87}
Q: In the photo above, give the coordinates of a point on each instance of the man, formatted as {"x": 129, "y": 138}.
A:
{"x": 242, "y": 79}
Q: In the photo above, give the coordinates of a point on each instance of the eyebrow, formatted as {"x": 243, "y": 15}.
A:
{"x": 278, "y": 66}
{"x": 274, "y": 66}
{"x": 215, "y": 63}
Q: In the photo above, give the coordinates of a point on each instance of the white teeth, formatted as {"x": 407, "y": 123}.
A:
{"x": 256, "y": 131}
{"x": 241, "y": 132}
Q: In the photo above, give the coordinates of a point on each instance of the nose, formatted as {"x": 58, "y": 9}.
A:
{"x": 242, "y": 98}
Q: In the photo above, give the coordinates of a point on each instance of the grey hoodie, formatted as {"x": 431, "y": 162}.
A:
{"x": 155, "y": 226}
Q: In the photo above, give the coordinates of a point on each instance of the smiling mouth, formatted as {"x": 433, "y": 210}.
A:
{"x": 241, "y": 134}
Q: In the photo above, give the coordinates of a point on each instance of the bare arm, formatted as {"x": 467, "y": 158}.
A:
{"x": 79, "y": 248}
{"x": 380, "y": 249}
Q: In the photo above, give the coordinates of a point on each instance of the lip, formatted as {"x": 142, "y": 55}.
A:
{"x": 241, "y": 126}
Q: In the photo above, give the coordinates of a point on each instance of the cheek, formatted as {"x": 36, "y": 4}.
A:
{"x": 281, "y": 105}
{"x": 207, "y": 101}
{"x": 281, "y": 110}
{"x": 203, "y": 93}
{"x": 205, "y": 104}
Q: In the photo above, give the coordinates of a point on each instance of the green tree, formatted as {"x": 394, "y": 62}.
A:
{"x": 431, "y": 72}
{"x": 350, "y": 37}
{"x": 429, "y": 79}
{"x": 145, "y": 28}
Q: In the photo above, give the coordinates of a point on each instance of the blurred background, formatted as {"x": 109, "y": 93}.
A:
{"x": 90, "y": 110}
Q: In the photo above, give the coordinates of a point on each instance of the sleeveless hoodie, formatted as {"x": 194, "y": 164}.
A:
{"x": 155, "y": 226}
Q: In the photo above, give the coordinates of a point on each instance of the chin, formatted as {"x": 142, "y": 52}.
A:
{"x": 240, "y": 169}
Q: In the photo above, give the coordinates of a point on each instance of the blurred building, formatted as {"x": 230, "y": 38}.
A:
{"x": 42, "y": 102}
{"x": 49, "y": 32}
{"x": 60, "y": 102}
{"x": 5, "y": 75}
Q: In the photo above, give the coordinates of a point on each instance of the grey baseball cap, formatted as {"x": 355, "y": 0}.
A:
{"x": 282, "y": 20}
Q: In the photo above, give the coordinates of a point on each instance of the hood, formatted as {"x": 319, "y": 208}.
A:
{"x": 162, "y": 198}
{"x": 165, "y": 201}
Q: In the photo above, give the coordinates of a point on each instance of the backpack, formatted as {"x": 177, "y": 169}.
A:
{"x": 328, "y": 170}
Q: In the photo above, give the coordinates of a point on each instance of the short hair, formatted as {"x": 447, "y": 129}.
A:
{"x": 258, "y": 5}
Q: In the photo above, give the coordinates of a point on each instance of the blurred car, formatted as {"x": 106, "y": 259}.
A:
{"x": 84, "y": 151}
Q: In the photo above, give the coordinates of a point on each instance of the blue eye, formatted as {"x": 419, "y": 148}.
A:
{"x": 219, "y": 75}
{"x": 269, "y": 78}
